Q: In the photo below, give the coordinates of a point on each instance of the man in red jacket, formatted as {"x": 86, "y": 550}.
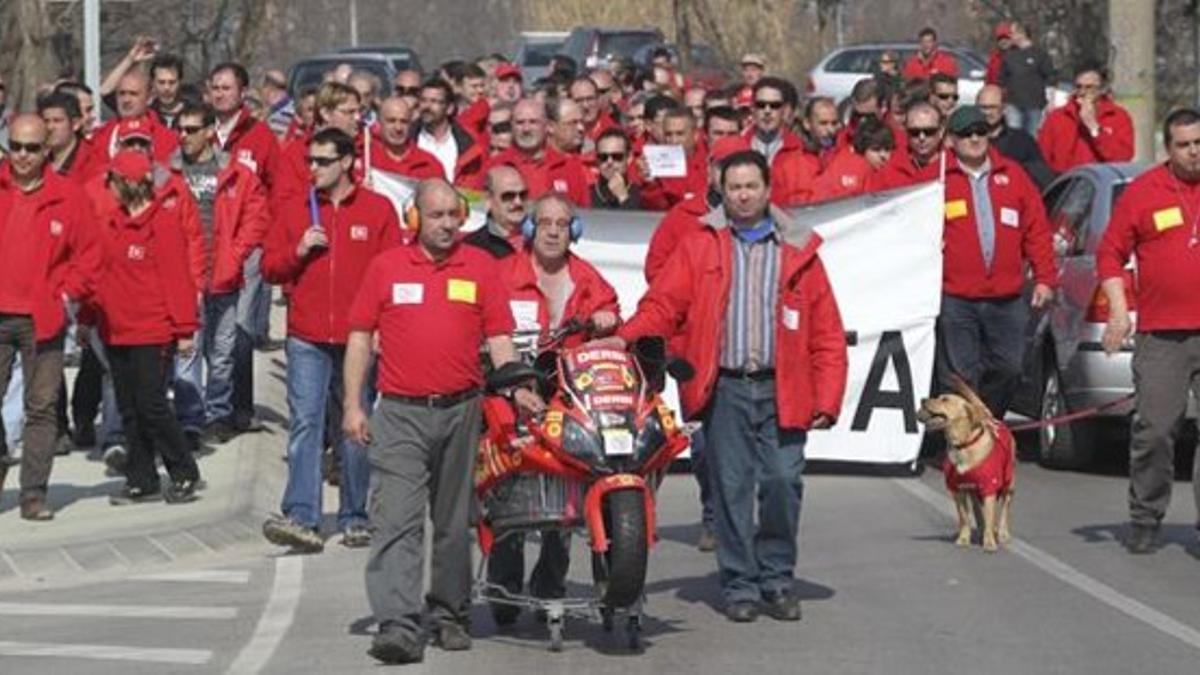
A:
{"x": 763, "y": 331}
{"x": 48, "y": 261}
{"x": 994, "y": 224}
{"x": 1157, "y": 219}
{"x": 928, "y": 59}
{"x": 596, "y": 118}
{"x": 69, "y": 154}
{"x": 1091, "y": 128}
{"x": 397, "y": 153}
{"x": 792, "y": 169}
{"x": 543, "y": 168}
{"x": 920, "y": 160}
{"x": 323, "y": 259}
{"x": 133, "y": 103}
{"x": 662, "y": 193}
{"x": 234, "y": 218}
{"x": 854, "y": 167}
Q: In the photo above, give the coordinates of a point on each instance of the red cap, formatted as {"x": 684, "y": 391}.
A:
{"x": 130, "y": 165}
{"x": 1003, "y": 30}
{"x": 744, "y": 98}
{"x": 504, "y": 70}
{"x": 726, "y": 146}
{"x": 133, "y": 128}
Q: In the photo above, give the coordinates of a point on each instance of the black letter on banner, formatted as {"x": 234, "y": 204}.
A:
{"x": 891, "y": 347}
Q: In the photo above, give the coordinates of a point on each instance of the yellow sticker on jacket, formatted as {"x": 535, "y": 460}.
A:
{"x": 1168, "y": 218}
{"x": 460, "y": 290}
{"x": 956, "y": 209}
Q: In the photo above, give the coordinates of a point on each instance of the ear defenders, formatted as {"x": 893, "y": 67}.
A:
{"x": 529, "y": 228}
{"x": 412, "y": 214}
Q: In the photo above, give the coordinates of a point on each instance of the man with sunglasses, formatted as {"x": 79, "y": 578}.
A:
{"x": 324, "y": 263}
{"x": 398, "y": 153}
{"x": 49, "y": 260}
{"x": 613, "y": 189}
{"x": 1091, "y": 128}
{"x": 407, "y": 85}
{"x": 994, "y": 225}
{"x": 943, "y": 93}
{"x": 920, "y": 160}
{"x": 792, "y": 169}
{"x": 506, "y": 201}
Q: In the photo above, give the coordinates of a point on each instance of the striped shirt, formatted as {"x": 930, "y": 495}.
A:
{"x": 749, "y": 336}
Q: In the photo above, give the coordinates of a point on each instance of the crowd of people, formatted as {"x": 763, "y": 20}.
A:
{"x": 153, "y": 241}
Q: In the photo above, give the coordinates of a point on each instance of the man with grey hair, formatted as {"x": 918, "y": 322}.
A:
{"x": 566, "y": 125}
{"x": 543, "y": 167}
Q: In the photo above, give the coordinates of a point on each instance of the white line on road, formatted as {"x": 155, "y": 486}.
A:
{"x": 106, "y": 652}
{"x": 1065, "y": 573}
{"x": 201, "y": 576}
{"x": 116, "y": 611}
{"x": 276, "y": 619}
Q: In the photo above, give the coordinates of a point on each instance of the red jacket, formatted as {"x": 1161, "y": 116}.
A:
{"x": 146, "y": 295}
{"x": 81, "y": 164}
{"x": 692, "y": 291}
{"x": 1066, "y": 142}
{"x": 324, "y": 283}
{"x": 591, "y": 294}
{"x": 603, "y": 123}
{"x": 163, "y": 141}
{"x": 554, "y": 171}
{"x": 683, "y": 219}
{"x": 995, "y": 475}
{"x": 412, "y": 163}
{"x": 660, "y": 194}
{"x": 902, "y": 171}
{"x": 252, "y": 143}
{"x": 474, "y": 120}
{"x": 1022, "y": 234}
{"x": 918, "y": 68}
{"x": 1155, "y": 219}
{"x": 847, "y": 174}
{"x": 61, "y": 236}
{"x": 241, "y": 218}
{"x": 995, "y": 64}
{"x": 793, "y": 170}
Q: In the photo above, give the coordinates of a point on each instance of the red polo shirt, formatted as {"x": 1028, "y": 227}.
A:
{"x": 432, "y": 317}
{"x": 917, "y": 68}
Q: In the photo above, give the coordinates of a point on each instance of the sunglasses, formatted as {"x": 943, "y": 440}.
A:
{"x": 502, "y": 128}
{"x": 947, "y": 97}
{"x": 513, "y": 195}
{"x": 923, "y": 132}
{"x": 603, "y": 157}
{"x": 190, "y": 131}
{"x": 769, "y": 105}
{"x": 32, "y": 148}
{"x": 322, "y": 161}
{"x": 975, "y": 130}
{"x": 604, "y": 92}
{"x": 407, "y": 91}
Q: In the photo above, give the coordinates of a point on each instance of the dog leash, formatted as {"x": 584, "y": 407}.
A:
{"x": 1071, "y": 417}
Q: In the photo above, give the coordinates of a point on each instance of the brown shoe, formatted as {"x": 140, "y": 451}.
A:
{"x": 33, "y": 507}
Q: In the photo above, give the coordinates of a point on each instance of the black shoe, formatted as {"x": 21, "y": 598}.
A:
{"x": 219, "y": 432}
{"x": 181, "y": 492}
{"x": 394, "y": 648}
{"x": 193, "y": 442}
{"x": 505, "y": 615}
{"x": 135, "y": 495}
{"x": 1142, "y": 539}
{"x": 742, "y": 611}
{"x": 781, "y": 606}
{"x": 247, "y": 424}
{"x": 453, "y": 637}
{"x": 85, "y": 435}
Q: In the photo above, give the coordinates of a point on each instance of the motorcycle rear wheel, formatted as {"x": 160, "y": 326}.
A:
{"x": 620, "y": 572}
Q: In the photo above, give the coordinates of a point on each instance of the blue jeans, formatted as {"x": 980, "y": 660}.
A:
{"x": 111, "y": 430}
{"x": 983, "y": 342}
{"x": 198, "y": 401}
{"x": 1027, "y": 119}
{"x": 700, "y": 471}
{"x": 251, "y": 308}
{"x": 314, "y": 373}
{"x": 749, "y": 456}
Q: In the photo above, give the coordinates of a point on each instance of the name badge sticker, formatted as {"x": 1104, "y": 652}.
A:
{"x": 1168, "y": 218}
{"x": 956, "y": 209}
{"x": 791, "y": 318}
{"x": 461, "y": 290}
{"x": 1010, "y": 217}
{"x": 525, "y": 314}
{"x": 359, "y": 233}
{"x": 408, "y": 294}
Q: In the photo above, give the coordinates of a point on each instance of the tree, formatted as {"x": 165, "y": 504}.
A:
{"x": 28, "y": 50}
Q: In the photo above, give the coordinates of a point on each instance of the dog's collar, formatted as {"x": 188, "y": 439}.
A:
{"x": 974, "y": 439}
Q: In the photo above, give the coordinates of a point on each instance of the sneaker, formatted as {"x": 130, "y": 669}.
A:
{"x": 135, "y": 495}
{"x": 356, "y": 536}
{"x": 781, "y": 606}
{"x": 1142, "y": 539}
{"x": 453, "y": 637}
{"x": 181, "y": 492}
{"x": 395, "y": 648}
{"x": 115, "y": 458}
{"x": 286, "y": 532}
{"x": 708, "y": 540}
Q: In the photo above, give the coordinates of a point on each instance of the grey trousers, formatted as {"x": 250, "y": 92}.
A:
{"x": 1166, "y": 365}
{"x": 420, "y": 456}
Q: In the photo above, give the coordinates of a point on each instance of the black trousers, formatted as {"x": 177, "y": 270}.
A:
{"x": 140, "y": 382}
{"x": 87, "y": 393}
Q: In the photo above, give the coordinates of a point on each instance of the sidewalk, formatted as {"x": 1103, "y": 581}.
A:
{"x": 244, "y": 478}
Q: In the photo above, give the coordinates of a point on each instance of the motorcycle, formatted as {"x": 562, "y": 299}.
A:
{"x": 591, "y": 461}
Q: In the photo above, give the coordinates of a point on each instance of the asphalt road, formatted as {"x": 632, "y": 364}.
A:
{"x": 884, "y": 590}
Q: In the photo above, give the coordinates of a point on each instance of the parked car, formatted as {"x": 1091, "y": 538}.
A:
{"x": 837, "y": 73}
{"x": 534, "y": 50}
{"x": 1065, "y": 367}
{"x": 705, "y": 68}
{"x": 593, "y": 46}
{"x": 310, "y": 72}
{"x": 402, "y": 58}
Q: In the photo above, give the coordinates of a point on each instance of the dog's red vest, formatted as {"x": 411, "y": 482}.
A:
{"x": 994, "y": 475}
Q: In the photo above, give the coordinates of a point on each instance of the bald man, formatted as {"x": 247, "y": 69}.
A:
{"x": 506, "y": 201}
{"x": 397, "y": 153}
{"x": 1016, "y": 144}
{"x": 48, "y": 264}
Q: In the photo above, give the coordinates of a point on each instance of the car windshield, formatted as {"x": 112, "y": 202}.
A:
{"x": 311, "y": 73}
{"x": 625, "y": 44}
{"x": 537, "y": 54}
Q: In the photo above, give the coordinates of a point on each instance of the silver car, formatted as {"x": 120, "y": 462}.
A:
{"x": 837, "y": 73}
{"x": 534, "y": 50}
{"x": 1066, "y": 369}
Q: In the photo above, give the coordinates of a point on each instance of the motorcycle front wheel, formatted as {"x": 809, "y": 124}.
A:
{"x": 620, "y": 572}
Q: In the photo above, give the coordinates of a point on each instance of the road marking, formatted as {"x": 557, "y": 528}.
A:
{"x": 106, "y": 652}
{"x": 1067, "y": 574}
{"x": 201, "y": 576}
{"x": 276, "y": 619}
{"x": 116, "y": 611}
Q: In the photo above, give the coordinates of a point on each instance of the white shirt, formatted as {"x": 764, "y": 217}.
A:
{"x": 446, "y": 151}
{"x": 224, "y": 129}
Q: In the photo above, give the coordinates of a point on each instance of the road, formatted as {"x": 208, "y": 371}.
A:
{"x": 884, "y": 589}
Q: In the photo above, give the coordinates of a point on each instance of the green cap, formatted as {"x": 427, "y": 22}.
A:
{"x": 964, "y": 118}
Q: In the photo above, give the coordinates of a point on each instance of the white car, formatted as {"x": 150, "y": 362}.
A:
{"x": 837, "y": 73}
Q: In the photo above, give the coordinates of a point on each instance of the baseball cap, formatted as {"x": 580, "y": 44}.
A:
{"x": 504, "y": 70}
{"x": 130, "y": 165}
{"x": 1003, "y": 30}
{"x": 754, "y": 59}
{"x": 133, "y": 128}
{"x": 724, "y": 147}
{"x": 964, "y": 118}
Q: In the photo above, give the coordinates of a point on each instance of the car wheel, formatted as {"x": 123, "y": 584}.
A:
{"x": 1070, "y": 445}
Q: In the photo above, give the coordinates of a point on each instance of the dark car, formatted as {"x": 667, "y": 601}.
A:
{"x": 310, "y": 72}
{"x": 705, "y": 67}
{"x": 592, "y": 46}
